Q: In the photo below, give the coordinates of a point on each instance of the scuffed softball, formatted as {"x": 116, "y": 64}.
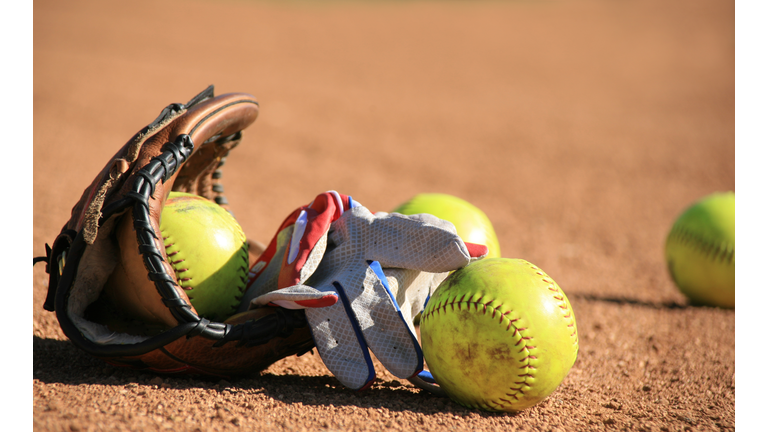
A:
{"x": 499, "y": 335}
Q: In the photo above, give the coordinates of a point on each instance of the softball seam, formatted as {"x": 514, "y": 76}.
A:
{"x": 246, "y": 262}
{"x": 185, "y": 283}
{"x": 722, "y": 251}
{"x": 243, "y": 274}
{"x": 176, "y": 264}
{"x": 527, "y": 369}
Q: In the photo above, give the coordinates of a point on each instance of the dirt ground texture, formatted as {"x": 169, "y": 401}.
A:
{"x": 581, "y": 128}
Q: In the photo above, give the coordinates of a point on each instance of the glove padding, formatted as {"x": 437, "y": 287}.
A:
{"x": 112, "y": 248}
{"x": 361, "y": 279}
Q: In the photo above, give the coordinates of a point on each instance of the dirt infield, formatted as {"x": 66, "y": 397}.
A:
{"x": 581, "y": 128}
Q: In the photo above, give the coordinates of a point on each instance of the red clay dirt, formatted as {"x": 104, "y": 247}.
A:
{"x": 581, "y": 128}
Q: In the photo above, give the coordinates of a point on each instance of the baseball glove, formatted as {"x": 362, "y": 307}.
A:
{"x": 112, "y": 242}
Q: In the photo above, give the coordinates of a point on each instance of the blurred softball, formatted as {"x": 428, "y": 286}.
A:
{"x": 208, "y": 251}
{"x": 499, "y": 335}
{"x": 700, "y": 251}
{"x": 472, "y": 225}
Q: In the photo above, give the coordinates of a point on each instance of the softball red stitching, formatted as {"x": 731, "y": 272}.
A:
{"x": 244, "y": 268}
{"x": 515, "y": 393}
{"x": 526, "y": 368}
{"x": 560, "y": 297}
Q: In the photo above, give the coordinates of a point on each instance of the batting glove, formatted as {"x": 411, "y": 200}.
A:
{"x": 361, "y": 279}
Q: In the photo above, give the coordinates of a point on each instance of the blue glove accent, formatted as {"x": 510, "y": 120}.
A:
{"x": 358, "y": 334}
{"x": 427, "y": 376}
{"x": 352, "y": 203}
{"x": 379, "y": 272}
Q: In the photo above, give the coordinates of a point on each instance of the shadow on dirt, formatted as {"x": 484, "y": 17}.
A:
{"x": 389, "y": 395}
{"x": 628, "y": 301}
{"x": 59, "y": 361}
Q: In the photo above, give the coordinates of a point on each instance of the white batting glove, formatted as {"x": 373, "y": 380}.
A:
{"x": 381, "y": 267}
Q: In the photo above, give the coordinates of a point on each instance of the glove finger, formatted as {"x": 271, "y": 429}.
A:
{"x": 476, "y": 251}
{"x": 341, "y": 345}
{"x": 401, "y": 241}
{"x": 411, "y": 289}
{"x": 388, "y": 334}
{"x": 297, "y": 297}
{"x": 427, "y": 219}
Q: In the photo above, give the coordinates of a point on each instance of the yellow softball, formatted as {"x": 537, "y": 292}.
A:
{"x": 471, "y": 224}
{"x": 499, "y": 335}
{"x": 208, "y": 251}
{"x": 701, "y": 251}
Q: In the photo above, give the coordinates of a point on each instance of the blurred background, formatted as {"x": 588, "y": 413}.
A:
{"x": 581, "y": 128}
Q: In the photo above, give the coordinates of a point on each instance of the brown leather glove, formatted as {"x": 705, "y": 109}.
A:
{"x": 112, "y": 245}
